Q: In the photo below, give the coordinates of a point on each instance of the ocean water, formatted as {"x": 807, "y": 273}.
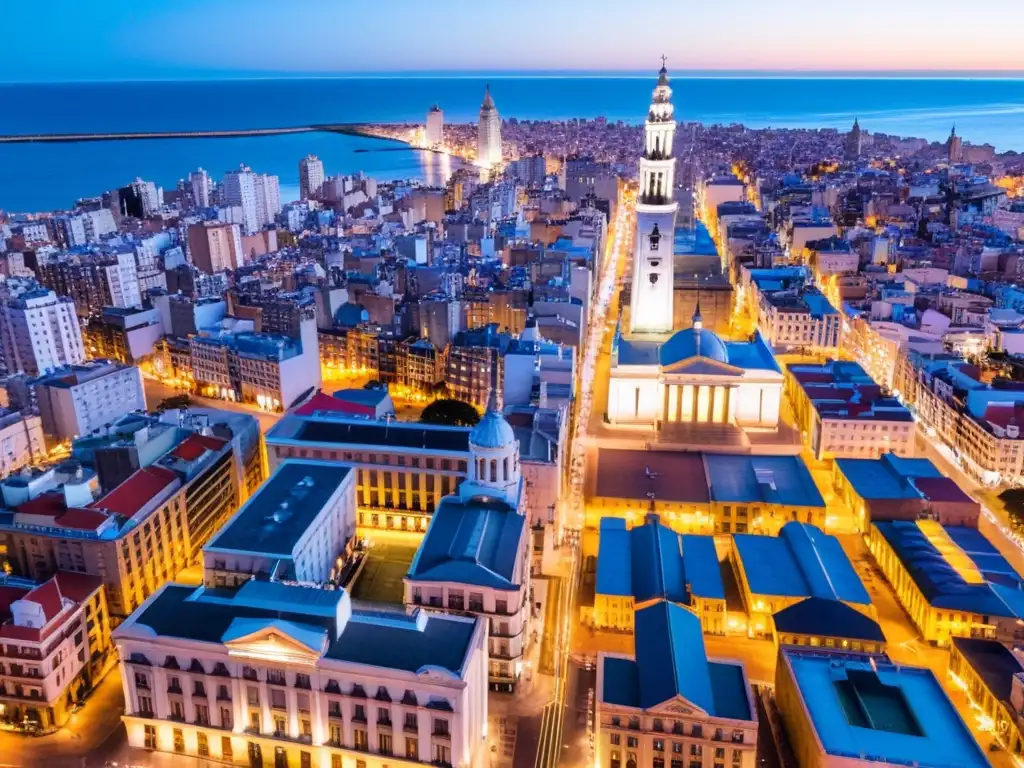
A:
{"x": 36, "y": 177}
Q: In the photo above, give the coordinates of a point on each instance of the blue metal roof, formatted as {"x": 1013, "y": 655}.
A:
{"x": 873, "y": 711}
{"x": 1002, "y": 594}
{"x": 827, "y": 618}
{"x": 887, "y": 477}
{"x": 752, "y": 355}
{"x": 474, "y": 542}
{"x": 747, "y": 479}
{"x": 651, "y": 562}
{"x": 669, "y": 662}
{"x": 801, "y": 561}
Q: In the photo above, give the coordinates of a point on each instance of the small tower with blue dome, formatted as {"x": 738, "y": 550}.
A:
{"x": 494, "y": 469}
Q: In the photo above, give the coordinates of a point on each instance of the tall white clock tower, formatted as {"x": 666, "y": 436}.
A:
{"x": 651, "y": 301}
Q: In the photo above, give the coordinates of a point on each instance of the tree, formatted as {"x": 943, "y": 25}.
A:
{"x": 175, "y": 401}
{"x": 448, "y": 412}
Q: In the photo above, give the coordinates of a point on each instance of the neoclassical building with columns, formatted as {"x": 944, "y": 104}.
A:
{"x": 694, "y": 378}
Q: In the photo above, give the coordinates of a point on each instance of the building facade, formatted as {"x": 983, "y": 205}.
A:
{"x": 76, "y": 401}
{"x": 488, "y": 140}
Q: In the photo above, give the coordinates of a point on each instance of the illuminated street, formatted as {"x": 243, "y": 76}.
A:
{"x": 551, "y": 745}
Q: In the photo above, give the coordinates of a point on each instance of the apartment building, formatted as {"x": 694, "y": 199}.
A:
{"x": 843, "y": 413}
{"x": 979, "y": 422}
{"x": 75, "y": 401}
{"x": 54, "y": 644}
{"x": 93, "y": 280}
{"x": 21, "y": 441}
{"x": 799, "y": 320}
{"x": 215, "y": 246}
{"x": 39, "y": 332}
{"x": 296, "y": 676}
{"x": 669, "y": 703}
{"x": 134, "y": 537}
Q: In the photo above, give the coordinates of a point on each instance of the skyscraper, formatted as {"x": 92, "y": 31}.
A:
{"x": 435, "y": 127}
{"x": 200, "y": 182}
{"x": 39, "y": 332}
{"x": 488, "y": 137}
{"x": 955, "y": 145}
{"x": 240, "y": 190}
{"x": 311, "y": 176}
{"x": 268, "y": 198}
{"x": 854, "y": 142}
{"x": 651, "y": 302}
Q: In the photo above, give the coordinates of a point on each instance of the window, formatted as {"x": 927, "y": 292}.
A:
{"x": 383, "y": 716}
{"x": 384, "y": 743}
{"x": 202, "y": 714}
{"x": 150, "y": 737}
{"x": 360, "y": 713}
{"x": 252, "y": 695}
{"x": 277, "y": 698}
{"x": 226, "y": 751}
{"x": 179, "y": 740}
{"x": 335, "y": 734}
{"x": 203, "y": 745}
{"x": 632, "y": 742}
{"x": 412, "y": 748}
{"x": 442, "y": 754}
{"x": 615, "y": 739}
{"x": 177, "y": 712}
{"x": 305, "y": 760}
{"x": 334, "y": 709}
{"x": 411, "y": 722}
{"x": 145, "y": 706}
{"x": 359, "y": 739}
{"x": 441, "y": 726}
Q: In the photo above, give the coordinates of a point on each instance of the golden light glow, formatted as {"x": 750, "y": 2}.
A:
{"x": 950, "y": 551}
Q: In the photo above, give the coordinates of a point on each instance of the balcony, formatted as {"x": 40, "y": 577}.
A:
{"x": 442, "y": 735}
{"x": 411, "y": 727}
{"x": 174, "y": 689}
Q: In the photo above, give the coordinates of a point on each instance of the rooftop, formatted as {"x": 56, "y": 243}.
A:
{"x": 472, "y": 542}
{"x": 882, "y": 713}
{"x": 956, "y": 567}
{"x": 670, "y": 662}
{"x": 843, "y": 390}
{"x": 993, "y": 662}
{"x": 137, "y": 492}
{"x": 894, "y": 477}
{"x": 651, "y": 562}
{"x": 342, "y": 431}
{"x": 750, "y": 479}
{"x": 801, "y": 561}
{"x": 824, "y": 617}
{"x": 276, "y": 517}
{"x": 386, "y": 640}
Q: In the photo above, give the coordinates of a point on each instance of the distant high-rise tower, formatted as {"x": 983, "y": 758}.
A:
{"x": 488, "y": 137}
{"x": 955, "y": 145}
{"x": 311, "y": 176}
{"x": 854, "y": 143}
{"x": 653, "y": 275}
{"x": 435, "y": 127}
{"x": 200, "y": 183}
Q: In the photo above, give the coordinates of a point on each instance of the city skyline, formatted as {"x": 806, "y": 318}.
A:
{"x": 191, "y": 40}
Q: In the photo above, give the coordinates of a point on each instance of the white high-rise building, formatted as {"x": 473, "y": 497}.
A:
{"x": 435, "y": 127}
{"x": 75, "y": 401}
{"x": 240, "y": 190}
{"x": 268, "y": 199}
{"x": 651, "y": 301}
{"x": 311, "y": 176}
{"x": 39, "y": 332}
{"x": 200, "y": 181}
{"x": 488, "y": 137}
{"x": 123, "y": 281}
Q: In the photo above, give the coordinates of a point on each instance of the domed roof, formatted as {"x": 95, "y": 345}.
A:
{"x": 692, "y": 342}
{"x": 492, "y": 431}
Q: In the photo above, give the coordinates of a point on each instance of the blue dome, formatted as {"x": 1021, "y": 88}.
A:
{"x": 492, "y": 431}
{"x": 692, "y": 342}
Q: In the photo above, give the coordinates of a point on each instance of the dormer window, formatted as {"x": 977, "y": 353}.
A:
{"x": 655, "y": 238}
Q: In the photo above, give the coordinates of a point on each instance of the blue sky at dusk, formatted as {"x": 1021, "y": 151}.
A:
{"x": 159, "y": 39}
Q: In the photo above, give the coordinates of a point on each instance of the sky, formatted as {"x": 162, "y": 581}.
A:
{"x": 183, "y": 39}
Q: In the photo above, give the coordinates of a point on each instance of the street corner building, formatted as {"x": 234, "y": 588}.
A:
{"x": 54, "y": 646}
{"x": 852, "y": 710}
{"x": 295, "y": 676}
{"x": 670, "y": 705}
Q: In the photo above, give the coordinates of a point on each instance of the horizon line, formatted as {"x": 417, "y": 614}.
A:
{"x": 508, "y": 74}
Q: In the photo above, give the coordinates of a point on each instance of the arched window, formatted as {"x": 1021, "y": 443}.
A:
{"x": 504, "y": 469}
{"x": 494, "y": 470}
{"x": 481, "y": 472}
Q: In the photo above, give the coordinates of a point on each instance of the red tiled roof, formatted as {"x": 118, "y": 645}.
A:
{"x": 1001, "y": 414}
{"x": 194, "y": 446}
{"x": 48, "y": 596}
{"x": 137, "y": 491}
{"x": 50, "y": 503}
{"x": 79, "y": 519}
{"x": 322, "y": 402}
{"x": 673, "y": 476}
{"x": 77, "y": 586}
{"x": 941, "y": 489}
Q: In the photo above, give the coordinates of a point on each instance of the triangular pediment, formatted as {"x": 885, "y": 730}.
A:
{"x": 678, "y": 706}
{"x": 702, "y": 366}
{"x": 275, "y": 640}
